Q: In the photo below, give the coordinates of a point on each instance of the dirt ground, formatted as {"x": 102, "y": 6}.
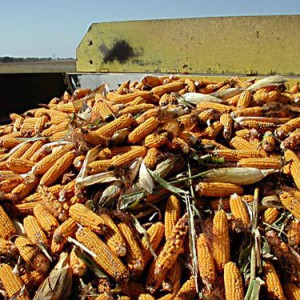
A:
{"x": 39, "y": 66}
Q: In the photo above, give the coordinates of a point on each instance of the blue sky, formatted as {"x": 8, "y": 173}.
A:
{"x": 55, "y": 28}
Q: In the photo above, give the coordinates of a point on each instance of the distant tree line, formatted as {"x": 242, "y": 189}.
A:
{"x": 7, "y": 59}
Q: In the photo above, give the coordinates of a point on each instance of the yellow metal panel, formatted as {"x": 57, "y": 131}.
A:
{"x": 224, "y": 45}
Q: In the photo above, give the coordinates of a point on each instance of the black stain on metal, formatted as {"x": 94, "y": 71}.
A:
{"x": 121, "y": 51}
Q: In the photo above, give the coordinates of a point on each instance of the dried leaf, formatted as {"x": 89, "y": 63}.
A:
{"x": 143, "y": 231}
{"x": 145, "y": 179}
{"x": 110, "y": 194}
{"x": 105, "y": 177}
{"x": 58, "y": 285}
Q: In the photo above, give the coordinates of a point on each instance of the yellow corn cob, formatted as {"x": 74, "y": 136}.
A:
{"x": 289, "y": 155}
{"x": 106, "y": 259}
{"x": 24, "y": 209}
{"x": 40, "y": 124}
{"x": 236, "y": 155}
{"x": 155, "y": 234}
{"x": 189, "y": 121}
{"x": 81, "y": 92}
{"x": 172, "y": 248}
{"x": 108, "y": 129}
{"x": 260, "y": 163}
{"x": 24, "y": 189}
{"x": 7, "y": 228}
{"x": 78, "y": 161}
{"x": 136, "y": 109}
{"x": 216, "y": 145}
{"x": 113, "y": 236}
{"x": 151, "y": 158}
{"x": 172, "y": 283}
{"x": 47, "y": 221}
{"x": 244, "y": 133}
{"x": 152, "y": 81}
{"x": 95, "y": 139}
{"x": 172, "y": 214}
{"x": 58, "y": 117}
{"x": 213, "y": 130}
{"x": 156, "y": 140}
{"x": 123, "y": 99}
{"x": 241, "y": 144}
{"x": 259, "y": 125}
{"x": 205, "y": 116}
{"x": 33, "y": 278}
{"x": 134, "y": 255}
{"x": 147, "y": 114}
{"x": 282, "y": 131}
{"x": 77, "y": 265}
{"x": 58, "y": 169}
{"x": 12, "y": 283}
{"x": 167, "y": 297}
{"x": 151, "y": 280}
{"x": 294, "y": 89}
{"x": 216, "y": 106}
{"x": 260, "y": 96}
{"x": 291, "y": 202}
{"x": 10, "y": 140}
{"x": 187, "y": 291}
{"x": 239, "y": 210}
{"x": 293, "y": 233}
{"x": 146, "y": 297}
{"x": 20, "y": 165}
{"x": 99, "y": 166}
{"x": 221, "y": 242}
{"x": 124, "y": 298}
{"x": 143, "y": 130}
{"x": 179, "y": 143}
{"x": 6, "y": 247}
{"x": 32, "y": 254}
{"x": 110, "y": 152}
{"x": 291, "y": 291}
{"x": 86, "y": 217}
{"x": 47, "y": 162}
{"x": 68, "y": 107}
{"x": 8, "y": 185}
{"x": 31, "y": 150}
{"x": 206, "y": 264}
{"x": 128, "y": 157}
{"x": 270, "y": 215}
{"x": 233, "y": 281}
{"x": 53, "y": 129}
{"x": 132, "y": 289}
{"x": 104, "y": 296}
{"x": 104, "y": 285}
{"x": 218, "y": 189}
{"x": 61, "y": 135}
{"x": 168, "y": 88}
{"x": 103, "y": 109}
{"x": 272, "y": 281}
{"x": 227, "y": 123}
{"x": 61, "y": 233}
{"x": 244, "y": 99}
{"x": 251, "y": 111}
{"x": 34, "y": 231}
{"x": 19, "y": 152}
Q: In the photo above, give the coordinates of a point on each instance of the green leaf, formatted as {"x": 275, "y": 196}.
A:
{"x": 168, "y": 185}
{"x": 254, "y": 289}
{"x": 90, "y": 263}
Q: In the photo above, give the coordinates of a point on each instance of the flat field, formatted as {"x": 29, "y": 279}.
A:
{"x": 39, "y": 66}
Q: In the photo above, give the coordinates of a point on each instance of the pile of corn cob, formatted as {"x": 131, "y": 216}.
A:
{"x": 168, "y": 188}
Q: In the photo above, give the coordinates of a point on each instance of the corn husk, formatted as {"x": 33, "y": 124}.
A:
{"x": 240, "y": 176}
{"x": 195, "y": 98}
{"x": 268, "y": 81}
{"x": 58, "y": 285}
{"x": 226, "y": 94}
